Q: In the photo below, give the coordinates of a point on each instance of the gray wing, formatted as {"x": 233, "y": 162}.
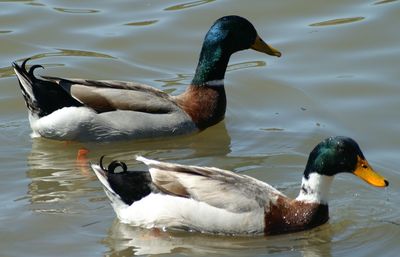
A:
{"x": 219, "y": 188}
{"x": 109, "y": 95}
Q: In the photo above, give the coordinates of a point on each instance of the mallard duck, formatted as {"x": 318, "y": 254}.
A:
{"x": 90, "y": 110}
{"x": 218, "y": 201}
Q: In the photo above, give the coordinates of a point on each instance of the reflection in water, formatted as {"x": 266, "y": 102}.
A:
{"x": 175, "y": 148}
{"x": 141, "y": 23}
{"x": 126, "y": 240}
{"x": 55, "y": 176}
{"x": 337, "y": 21}
{"x": 188, "y": 5}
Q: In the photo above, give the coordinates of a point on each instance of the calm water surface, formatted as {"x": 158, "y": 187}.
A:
{"x": 339, "y": 75}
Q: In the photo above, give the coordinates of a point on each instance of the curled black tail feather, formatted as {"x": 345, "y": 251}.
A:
{"x": 32, "y": 69}
{"x": 131, "y": 186}
{"x": 113, "y": 165}
{"x": 42, "y": 97}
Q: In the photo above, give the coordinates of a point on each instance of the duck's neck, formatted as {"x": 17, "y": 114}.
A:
{"x": 315, "y": 188}
{"x": 212, "y": 65}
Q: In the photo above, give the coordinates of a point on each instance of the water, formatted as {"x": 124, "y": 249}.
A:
{"x": 338, "y": 76}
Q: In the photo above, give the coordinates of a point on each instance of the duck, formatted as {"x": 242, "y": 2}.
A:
{"x": 107, "y": 110}
{"x": 217, "y": 201}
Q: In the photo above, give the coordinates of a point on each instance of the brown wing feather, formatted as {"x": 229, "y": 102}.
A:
{"x": 105, "y": 96}
{"x": 170, "y": 185}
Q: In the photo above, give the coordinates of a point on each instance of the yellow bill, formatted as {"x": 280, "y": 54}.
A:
{"x": 260, "y": 46}
{"x": 364, "y": 171}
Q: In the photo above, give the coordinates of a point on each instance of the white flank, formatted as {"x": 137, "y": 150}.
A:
{"x": 166, "y": 211}
{"x": 317, "y": 189}
{"x": 64, "y": 123}
{"x": 82, "y": 123}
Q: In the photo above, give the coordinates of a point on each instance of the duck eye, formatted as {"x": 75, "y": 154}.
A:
{"x": 364, "y": 166}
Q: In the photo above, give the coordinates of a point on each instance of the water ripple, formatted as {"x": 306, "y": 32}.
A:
{"x": 337, "y": 21}
{"x": 69, "y": 52}
{"x": 75, "y": 10}
{"x": 245, "y": 65}
{"x": 6, "y": 72}
{"x": 188, "y": 5}
{"x": 385, "y": 2}
{"x": 141, "y": 23}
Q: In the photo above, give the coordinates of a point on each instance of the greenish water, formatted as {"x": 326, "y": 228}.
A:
{"x": 339, "y": 75}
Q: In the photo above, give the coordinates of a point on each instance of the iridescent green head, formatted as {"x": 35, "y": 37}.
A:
{"x": 341, "y": 154}
{"x": 226, "y": 36}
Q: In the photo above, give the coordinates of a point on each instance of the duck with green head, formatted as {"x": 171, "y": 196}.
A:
{"x": 89, "y": 110}
{"x": 218, "y": 201}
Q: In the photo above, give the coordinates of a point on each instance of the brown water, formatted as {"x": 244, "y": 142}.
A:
{"x": 339, "y": 75}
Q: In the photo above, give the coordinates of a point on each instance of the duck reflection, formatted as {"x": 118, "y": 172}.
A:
{"x": 55, "y": 175}
{"x": 125, "y": 240}
{"x": 59, "y": 170}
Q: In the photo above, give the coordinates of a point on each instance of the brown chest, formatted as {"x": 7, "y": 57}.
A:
{"x": 291, "y": 216}
{"x": 205, "y": 105}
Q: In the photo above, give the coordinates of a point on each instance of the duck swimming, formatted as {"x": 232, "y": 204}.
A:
{"x": 218, "y": 201}
{"x": 91, "y": 110}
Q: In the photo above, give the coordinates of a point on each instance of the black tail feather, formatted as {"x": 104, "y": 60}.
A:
{"x": 32, "y": 69}
{"x": 42, "y": 97}
{"x": 131, "y": 186}
{"x": 25, "y": 83}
